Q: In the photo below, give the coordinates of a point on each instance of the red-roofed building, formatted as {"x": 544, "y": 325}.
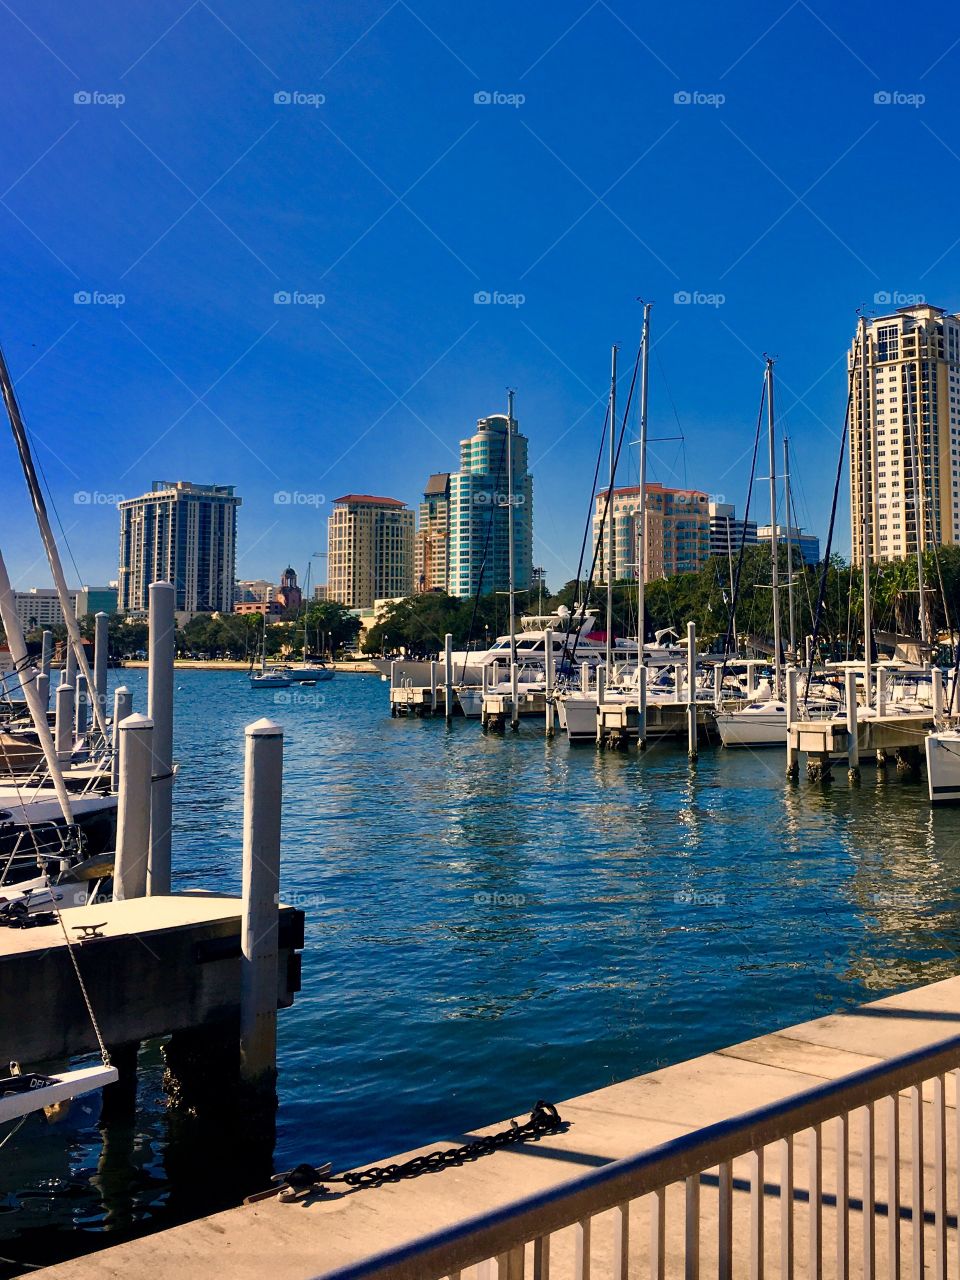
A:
{"x": 369, "y": 550}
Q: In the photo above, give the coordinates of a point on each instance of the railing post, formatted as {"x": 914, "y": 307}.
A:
{"x": 262, "y": 803}
{"x": 133, "y": 807}
{"x": 162, "y": 645}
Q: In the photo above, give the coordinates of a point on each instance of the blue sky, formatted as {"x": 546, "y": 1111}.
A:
{"x": 783, "y": 187}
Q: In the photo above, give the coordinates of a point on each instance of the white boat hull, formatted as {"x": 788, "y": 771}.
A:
{"x": 758, "y": 729}
{"x": 943, "y": 767}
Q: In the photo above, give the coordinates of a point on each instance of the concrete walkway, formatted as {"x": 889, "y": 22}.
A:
{"x": 295, "y": 1241}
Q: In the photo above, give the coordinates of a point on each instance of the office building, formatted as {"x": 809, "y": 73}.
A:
{"x": 369, "y": 550}
{"x": 727, "y": 533}
{"x": 181, "y": 533}
{"x": 806, "y": 544}
{"x": 431, "y": 543}
{"x": 40, "y": 606}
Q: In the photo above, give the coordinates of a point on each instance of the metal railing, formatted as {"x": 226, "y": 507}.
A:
{"x": 897, "y": 1140}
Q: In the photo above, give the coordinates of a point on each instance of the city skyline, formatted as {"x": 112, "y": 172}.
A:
{"x": 224, "y": 300}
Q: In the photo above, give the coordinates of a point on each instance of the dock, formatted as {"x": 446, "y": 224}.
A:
{"x": 833, "y": 1139}
{"x": 153, "y": 966}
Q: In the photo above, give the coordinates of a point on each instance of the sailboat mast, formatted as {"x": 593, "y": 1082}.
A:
{"x": 510, "y": 556}
{"x": 49, "y": 542}
{"x": 613, "y": 461}
{"x": 642, "y": 477}
{"x": 786, "y": 502}
{"x": 774, "y": 540}
{"x": 865, "y": 513}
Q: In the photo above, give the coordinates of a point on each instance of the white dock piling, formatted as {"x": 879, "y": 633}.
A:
{"x": 448, "y": 676}
{"x": 100, "y": 661}
{"x": 69, "y": 675}
{"x": 63, "y": 722}
{"x": 160, "y": 711}
{"x": 692, "y": 690}
{"x": 42, "y": 683}
{"x": 752, "y": 680}
{"x": 433, "y": 686}
{"x": 601, "y": 683}
{"x": 793, "y": 752}
{"x": 718, "y": 685}
{"x": 881, "y": 691}
{"x": 514, "y": 696}
{"x": 549, "y": 709}
{"x": 262, "y": 801}
{"x": 394, "y": 674}
{"x": 494, "y": 675}
{"x": 485, "y": 673}
{"x": 807, "y": 651}
{"x": 46, "y": 654}
{"x": 642, "y": 707}
{"x": 936, "y": 691}
{"x": 853, "y": 749}
{"x": 122, "y": 707}
{"x": 133, "y": 807}
{"x": 584, "y": 677}
{"x": 82, "y": 705}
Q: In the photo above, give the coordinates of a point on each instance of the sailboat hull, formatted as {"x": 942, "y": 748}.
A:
{"x": 943, "y": 767}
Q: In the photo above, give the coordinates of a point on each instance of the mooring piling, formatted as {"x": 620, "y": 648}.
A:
{"x": 936, "y": 691}
{"x": 448, "y": 677}
{"x": 82, "y": 705}
{"x": 642, "y": 707}
{"x": 136, "y": 733}
{"x": 853, "y": 746}
{"x": 42, "y": 682}
{"x": 262, "y": 802}
{"x": 433, "y": 686}
{"x": 70, "y": 668}
{"x": 122, "y": 707}
{"x": 548, "y": 666}
{"x": 63, "y": 721}
{"x": 793, "y": 750}
{"x": 100, "y": 661}
{"x": 514, "y": 696}
{"x": 692, "y": 690}
{"x": 160, "y": 711}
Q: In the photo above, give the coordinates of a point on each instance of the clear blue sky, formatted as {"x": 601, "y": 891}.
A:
{"x": 797, "y": 198}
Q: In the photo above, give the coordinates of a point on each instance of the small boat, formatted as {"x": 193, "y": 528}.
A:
{"x": 23, "y": 1092}
{"x": 270, "y": 680}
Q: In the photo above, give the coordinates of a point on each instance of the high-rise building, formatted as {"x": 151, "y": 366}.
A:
{"x": 479, "y": 551}
{"x": 369, "y": 551}
{"x": 807, "y": 544}
{"x": 255, "y": 591}
{"x": 904, "y": 439}
{"x": 40, "y": 606}
{"x": 727, "y": 533}
{"x": 431, "y": 542}
{"x": 181, "y": 533}
{"x": 677, "y": 532}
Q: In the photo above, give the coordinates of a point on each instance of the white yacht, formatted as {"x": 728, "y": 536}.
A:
{"x": 943, "y": 765}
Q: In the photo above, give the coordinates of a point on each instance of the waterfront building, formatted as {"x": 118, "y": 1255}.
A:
{"x": 431, "y": 543}
{"x": 479, "y": 554}
{"x": 289, "y": 593}
{"x": 265, "y": 608}
{"x": 320, "y": 591}
{"x": 677, "y": 532}
{"x": 369, "y": 550}
{"x": 40, "y": 606}
{"x": 255, "y": 589}
{"x": 727, "y": 532}
{"x": 808, "y": 544}
{"x": 904, "y": 468}
{"x": 181, "y": 533}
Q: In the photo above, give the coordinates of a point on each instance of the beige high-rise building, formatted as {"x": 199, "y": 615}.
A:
{"x": 911, "y": 416}
{"x": 677, "y": 532}
{"x": 369, "y": 550}
{"x": 431, "y": 543}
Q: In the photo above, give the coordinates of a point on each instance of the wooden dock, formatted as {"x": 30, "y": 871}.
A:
{"x": 153, "y": 966}
{"x": 330, "y": 1235}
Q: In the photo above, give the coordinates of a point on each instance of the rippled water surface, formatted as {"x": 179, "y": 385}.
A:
{"x": 494, "y": 920}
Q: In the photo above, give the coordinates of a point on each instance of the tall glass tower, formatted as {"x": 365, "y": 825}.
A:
{"x": 478, "y": 548}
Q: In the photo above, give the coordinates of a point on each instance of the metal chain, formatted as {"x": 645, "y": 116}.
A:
{"x": 544, "y": 1118}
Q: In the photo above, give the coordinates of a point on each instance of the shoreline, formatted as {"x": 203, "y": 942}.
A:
{"x": 361, "y": 668}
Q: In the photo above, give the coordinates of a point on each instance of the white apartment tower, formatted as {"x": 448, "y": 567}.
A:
{"x": 904, "y": 433}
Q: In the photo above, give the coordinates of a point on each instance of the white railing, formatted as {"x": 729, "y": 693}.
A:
{"x": 846, "y": 1179}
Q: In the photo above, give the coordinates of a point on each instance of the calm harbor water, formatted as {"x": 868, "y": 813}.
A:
{"x": 494, "y": 920}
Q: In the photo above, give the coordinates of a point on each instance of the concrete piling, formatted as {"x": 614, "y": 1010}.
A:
{"x": 433, "y": 687}
{"x": 262, "y": 802}
{"x": 448, "y": 676}
{"x": 46, "y": 652}
{"x": 936, "y": 691}
{"x": 692, "y": 690}
{"x": 134, "y": 807}
{"x": 63, "y": 722}
{"x": 853, "y": 747}
{"x": 82, "y": 705}
{"x": 642, "y": 707}
{"x": 752, "y": 680}
{"x": 122, "y": 707}
{"x": 718, "y": 685}
{"x": 881, "y": 692}
{"x": 793, "y": 752}
{"x": 69, "y": 675}
{"x": 100, "y": 661}
{"x": 584, "y": 677}
{"x": 514, "y": 697}
{"x": 548, "y": 668}
{"x": 601, "y": 683}
{"x": 42, "y": 682}
{"x": 160, "y": 711}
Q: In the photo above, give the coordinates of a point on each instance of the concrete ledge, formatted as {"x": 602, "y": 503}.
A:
{"x": 296, "y": 1241}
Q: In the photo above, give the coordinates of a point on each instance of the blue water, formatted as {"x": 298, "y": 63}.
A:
{"x": 491, "y": 920}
